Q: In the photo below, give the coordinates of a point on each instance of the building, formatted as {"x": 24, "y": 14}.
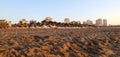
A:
{"x": 48, "y": 19}
{"x": 104, "y": 22}
{"x": 4, "y": 23}
{"x": 66, "y": 20}
{"x": 99, "y": 22}
{"x": 78, "y": 22}
{"x": 73, "y": 22}
{"x": 23, "y": 21}
{"x": 84, "y": 22}
{"x": 89, "y": 22}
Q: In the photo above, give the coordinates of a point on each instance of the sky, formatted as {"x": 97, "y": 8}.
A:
{"x": 15, "y": 10}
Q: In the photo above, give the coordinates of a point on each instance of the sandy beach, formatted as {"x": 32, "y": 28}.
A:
{"x": 85, "y": 42}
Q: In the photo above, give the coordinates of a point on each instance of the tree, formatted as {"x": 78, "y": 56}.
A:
{"x": 33, "y": 23}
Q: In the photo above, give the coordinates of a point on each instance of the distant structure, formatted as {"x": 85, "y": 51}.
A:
{"x": 73, "y": 22}
{"x": 84, "y": 22}
{"x": 78, "y": 22}
{"x": 48, "y": 19}
{"x": 89, "y": 22}
{"x": 9, "y": 24}
{"x": 48, "y": 22}
{"x": 66, "y": 20}
{"x": 23, "y": 21}
{"x": 4, "y": 23}
{"x": 99, "y": 22}
{"x": 104, "y": 22}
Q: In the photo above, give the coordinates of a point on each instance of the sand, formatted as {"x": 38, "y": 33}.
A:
{"x": 79, "y": 42}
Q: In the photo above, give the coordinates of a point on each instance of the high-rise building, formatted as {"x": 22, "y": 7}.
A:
{"x": 66, "y": 20}
{"x": 104, "y": 22}
{"x": 99, "y": 22}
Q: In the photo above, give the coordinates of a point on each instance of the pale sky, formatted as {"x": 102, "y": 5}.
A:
{"x": 15, "y": 10}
